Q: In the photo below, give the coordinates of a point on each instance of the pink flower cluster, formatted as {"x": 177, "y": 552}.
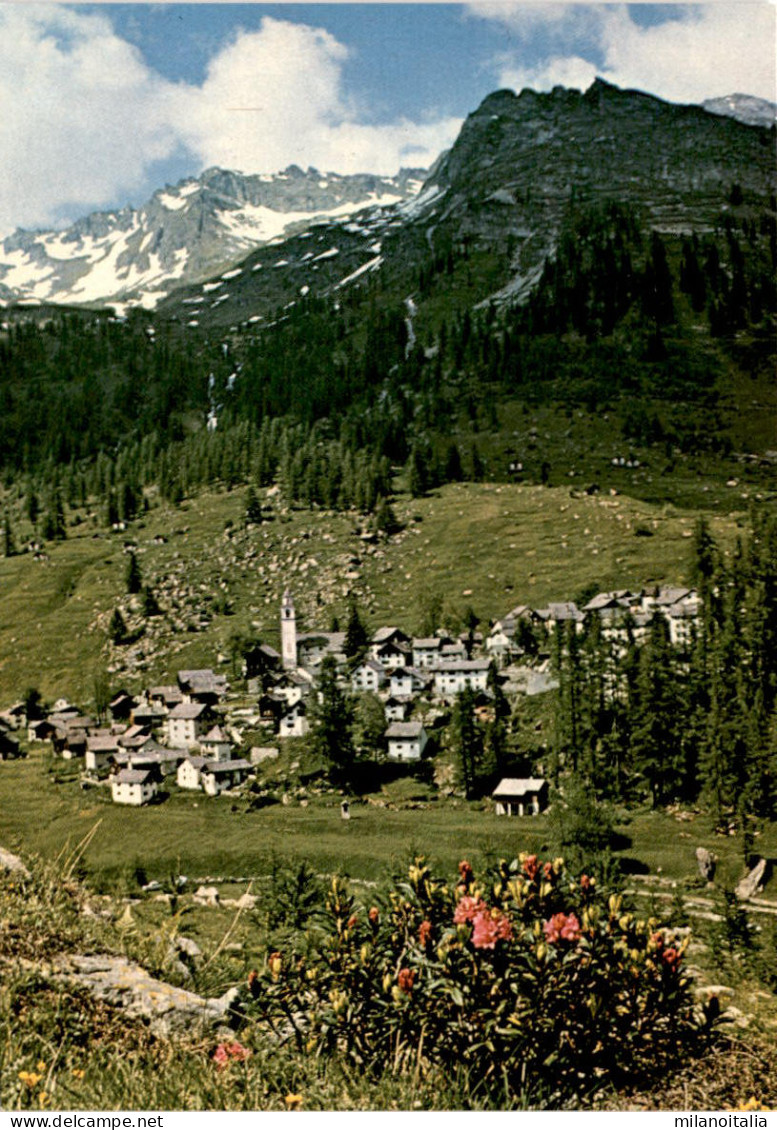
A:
{"x": 562, "y": 927}
{"x": 468, "y": 908}
{"x": 228, "y": 1053}
{"x": 488, "y": 926}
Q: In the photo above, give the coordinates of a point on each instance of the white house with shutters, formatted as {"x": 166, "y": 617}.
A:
{"x": 216, "y": 745}
{"x": 188, "y": 773}
{"x": 185, "y": 724}
{"x": 406, "y": 741}
{"x": 368, "y": 676}
{"x": 294, "y": 721}
{"x": 133, "y": 786}
{"x": 456, "y": 675}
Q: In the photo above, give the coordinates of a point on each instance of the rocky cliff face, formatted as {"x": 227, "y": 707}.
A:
{"x": 502, "y": 194}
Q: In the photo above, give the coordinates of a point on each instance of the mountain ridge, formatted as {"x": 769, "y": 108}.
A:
{"x": 191, "y": 230}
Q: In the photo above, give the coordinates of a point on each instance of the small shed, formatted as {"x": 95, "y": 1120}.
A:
{"x": 520, "y": 796}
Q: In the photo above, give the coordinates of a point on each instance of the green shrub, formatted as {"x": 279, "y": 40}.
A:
{"x": 531, "y": 983}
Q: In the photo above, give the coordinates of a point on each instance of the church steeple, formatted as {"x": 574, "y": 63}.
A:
{"x": 288, "y": 632}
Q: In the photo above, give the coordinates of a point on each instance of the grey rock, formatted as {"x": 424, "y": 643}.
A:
{"x": 12, "y": 865}
{"x": 207, "y": 896}
{"x": 707, "y": 861}
{"x": 751, "y": 884}
{"x": 187, "y": 946}
{"x": 123, "y": 984}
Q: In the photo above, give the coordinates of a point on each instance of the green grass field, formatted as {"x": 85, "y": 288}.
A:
{"x": 199, "y": 836}
{"x": 485, "y": 545}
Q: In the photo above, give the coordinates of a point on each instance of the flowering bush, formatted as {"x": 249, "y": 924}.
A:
{"x": 532, "y": 982}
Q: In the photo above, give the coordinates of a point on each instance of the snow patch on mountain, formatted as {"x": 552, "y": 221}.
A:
{"x": 184, "y": 234}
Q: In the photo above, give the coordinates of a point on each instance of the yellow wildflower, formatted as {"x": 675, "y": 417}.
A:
{"x": 293, "y": 1102}
{"x": 78, "y": 1073}
{"x": 30, "y": 1078}
{"x": 44, "y": 1099}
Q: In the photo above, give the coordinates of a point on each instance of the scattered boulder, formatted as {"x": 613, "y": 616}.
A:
{"x": 12, "y": 865}
{"x": 707, "y": 861}
{"x": 751, "y": 884}
{"x": 207, "y": 896}
{"x": 187, "y": 946}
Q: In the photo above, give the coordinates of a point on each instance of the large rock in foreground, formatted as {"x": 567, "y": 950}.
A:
{"x": 121, "y": 983}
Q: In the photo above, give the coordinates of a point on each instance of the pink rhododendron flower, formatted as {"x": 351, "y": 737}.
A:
{"x": 671, "y": 958}
{"x": 490, "y": 927}
{"x": 564, "y": 927}
{"x": 226, "y": 1053}
{"x": 405, "y": 980}
{"x": 465, "y": 871}
{"x": 530, "y": 866}
{"x": 467, "y": 909}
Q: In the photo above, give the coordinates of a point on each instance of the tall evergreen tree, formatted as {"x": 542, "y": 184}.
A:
{"x": 356, "y": 635}
{"x": 132, "y": 577}
{"x": 331, "y": 732}
{"x": 466, "y": 740}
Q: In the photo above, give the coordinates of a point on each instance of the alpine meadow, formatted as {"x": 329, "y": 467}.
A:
{"x": 388, "y": 627}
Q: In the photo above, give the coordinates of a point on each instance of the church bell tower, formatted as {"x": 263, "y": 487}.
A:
{"x": 288, "y": 632}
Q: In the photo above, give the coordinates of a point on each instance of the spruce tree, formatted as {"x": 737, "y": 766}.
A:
{"x": 132, "y": 577}
{"x": 9, "y": 546}
{"x": 356, "y": 635}
{"x": 332, "y": 723}
{"x": 466, "y": 741}
{"x": 117, "y": 628}
{"x": 253, "y": 510}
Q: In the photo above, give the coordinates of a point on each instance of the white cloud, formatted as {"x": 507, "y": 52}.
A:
{"x": 275, "y": 96}
{"x": 697, "y": 51}
{"x": 84, "y": 117}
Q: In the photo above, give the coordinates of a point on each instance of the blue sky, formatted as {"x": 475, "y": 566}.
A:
{"x": 103, "y": 103}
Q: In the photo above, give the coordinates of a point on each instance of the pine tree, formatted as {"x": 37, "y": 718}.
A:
{"x": 132, "y": 576}
{"x": 9, "y": 546}
{"x": 33, "y": 506}
{"x": 331, "y": 732}
{"x": 466, "y": 740}
{"x": 356, "y": 635}
{"x": 253, "y": 510}
{"x": 150, "y": 604}
{"x": 418, "y": 474}
{"x": 117, "y": 628}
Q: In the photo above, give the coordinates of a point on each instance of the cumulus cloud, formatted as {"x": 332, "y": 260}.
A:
{"x": 82, "y": 115}
{"x": 275, "y": 96}
{"x": 85, "y": 118}
{"x": 695, "y": 51}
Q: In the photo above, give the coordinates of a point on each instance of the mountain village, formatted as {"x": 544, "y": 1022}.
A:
{"x": 191, "y": 731}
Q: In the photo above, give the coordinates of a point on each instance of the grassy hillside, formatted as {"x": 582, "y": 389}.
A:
{"x": 482, "y": 545}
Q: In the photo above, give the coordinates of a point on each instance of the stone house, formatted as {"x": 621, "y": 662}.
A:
{"x": 406, "y": 741}
{"x": 216, "y": 745}
{"x": 133, "y": 786}
{"x": 368, "y": 676}
{"x": 185, "y": 724}
{"x": 453, "y": 676}
{"x": 215, "y": 776}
